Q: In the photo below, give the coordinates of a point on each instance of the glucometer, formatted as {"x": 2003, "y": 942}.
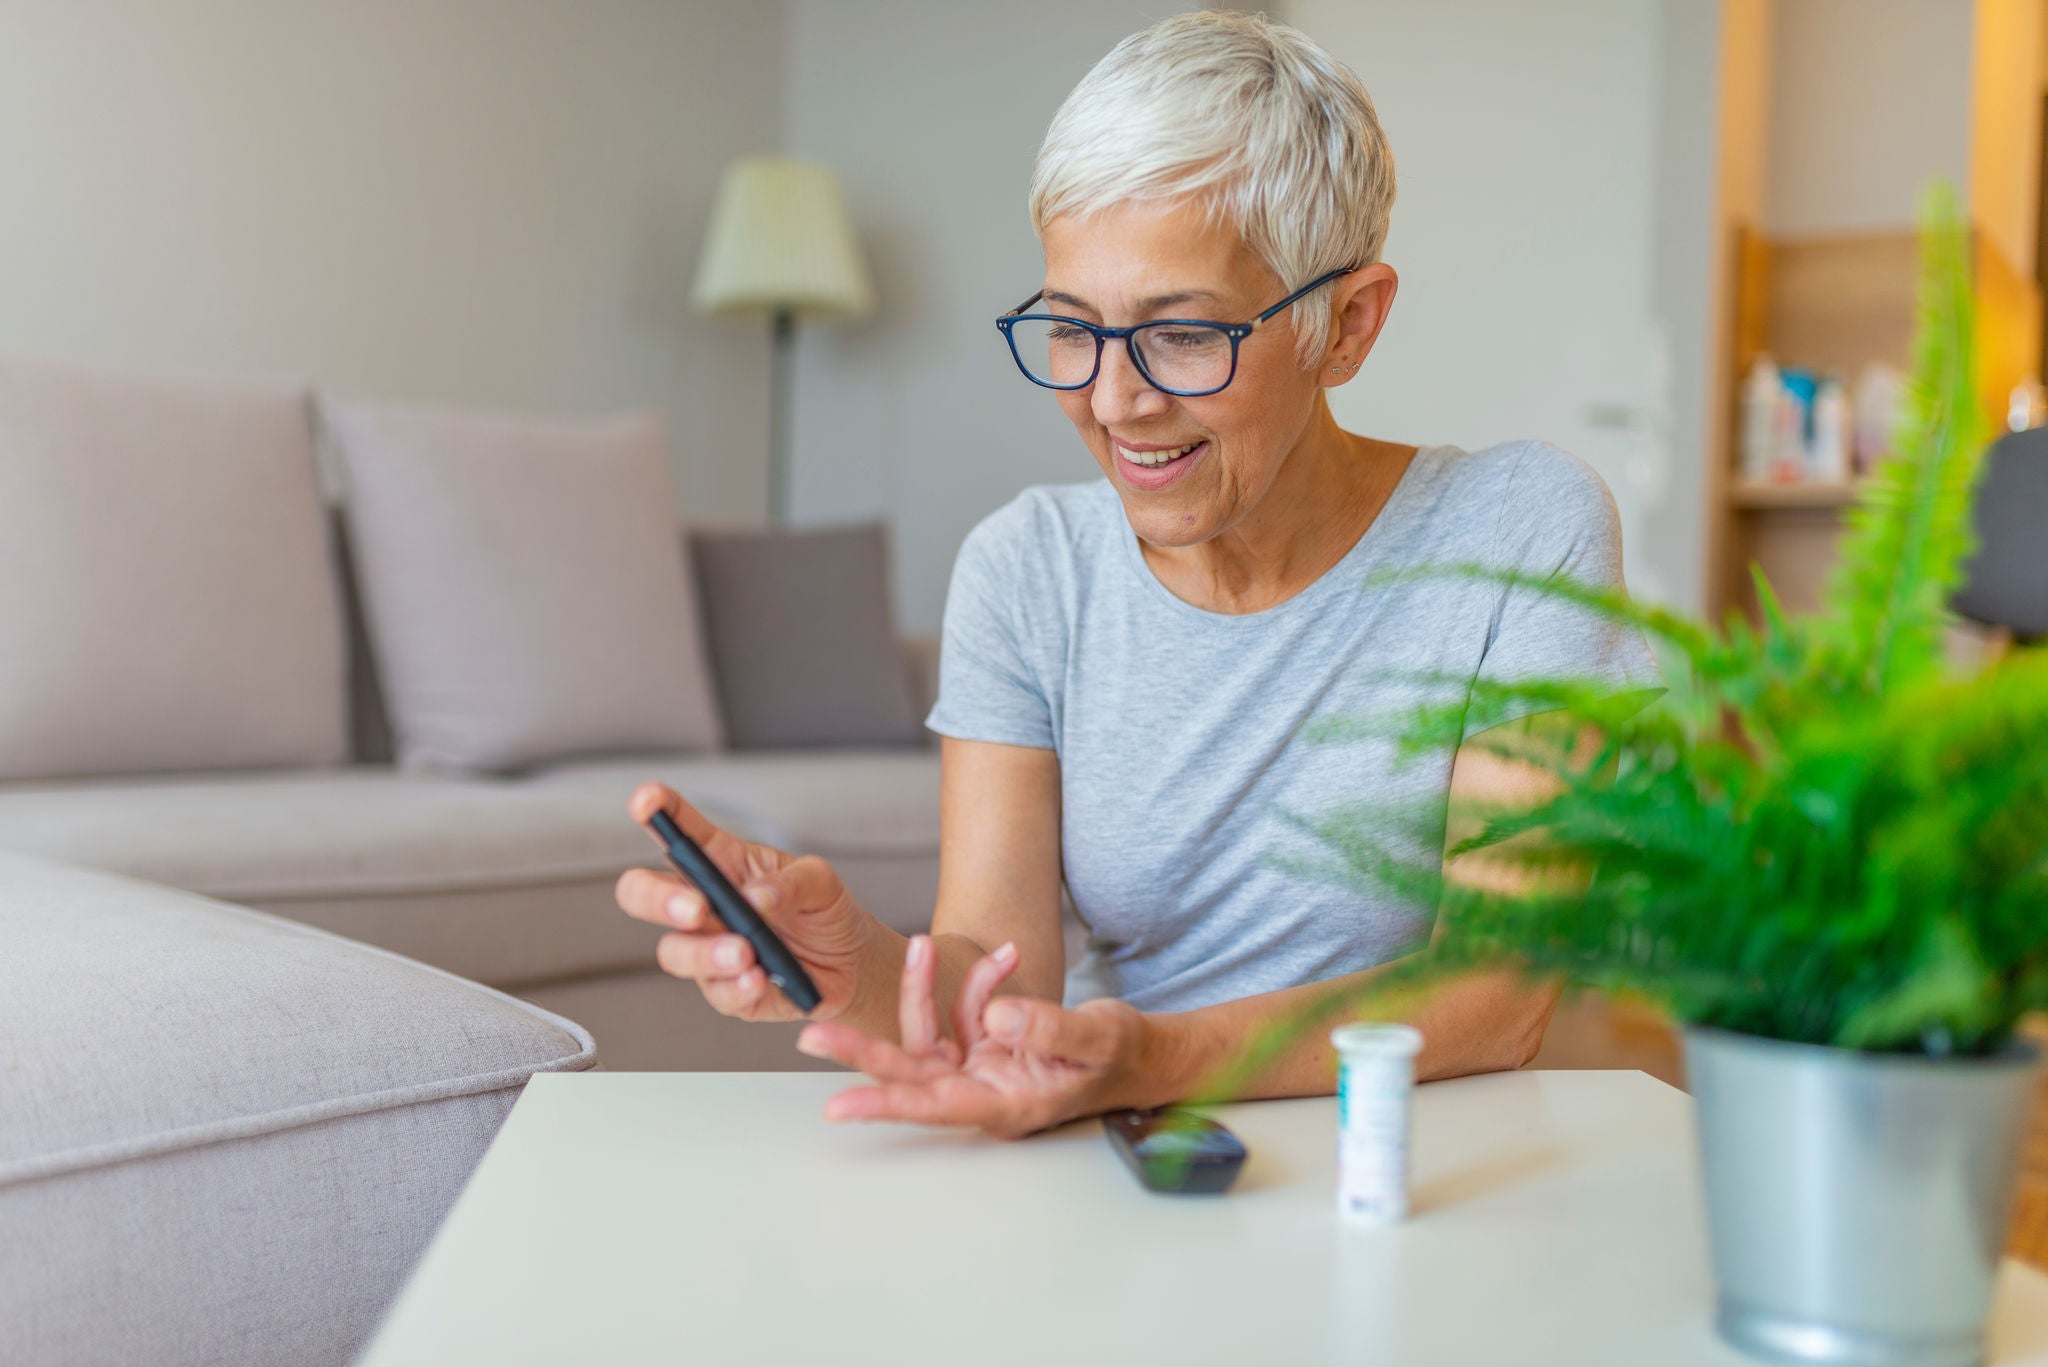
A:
{"x": 1174, "y": 1151}
{"x": 736, "y": 914}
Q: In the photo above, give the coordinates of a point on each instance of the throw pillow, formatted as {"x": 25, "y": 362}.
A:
{"x": 522, "y": 586}
{"x": 803, "y": 637}
{"x": 166, "y": 598}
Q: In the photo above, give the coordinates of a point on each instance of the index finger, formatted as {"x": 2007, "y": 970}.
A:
{"x": 917, "y": 1011}
{"x": 650, "y": 798}
{"x": 727, "y": 850}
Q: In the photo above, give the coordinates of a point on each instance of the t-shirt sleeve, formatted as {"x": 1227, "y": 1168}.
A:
{"x": 1558, "y": 520}
{"x": 988, "y": 689}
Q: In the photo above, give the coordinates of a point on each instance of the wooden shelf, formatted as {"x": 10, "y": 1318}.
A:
{"x": 1832, "y": 304}
{"x": 1764, "y": 497}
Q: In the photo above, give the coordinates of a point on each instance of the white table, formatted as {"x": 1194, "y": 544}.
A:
{"x": 716, "y": 1218}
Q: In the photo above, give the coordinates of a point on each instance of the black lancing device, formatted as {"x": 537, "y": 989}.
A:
{"x": 736, "y": 914}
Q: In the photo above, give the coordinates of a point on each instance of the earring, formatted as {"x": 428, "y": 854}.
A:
{"x": 1342, "y": 369}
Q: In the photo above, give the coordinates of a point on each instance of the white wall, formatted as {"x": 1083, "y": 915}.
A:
{"x": 1869, "y": 100}
{"x": 480, "y": 201}
{"x": 1675, "y": 526}
{"x": 1541, "y": 150}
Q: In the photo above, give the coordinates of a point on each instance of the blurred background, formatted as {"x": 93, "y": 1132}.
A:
{"x": 1609, "y": 211}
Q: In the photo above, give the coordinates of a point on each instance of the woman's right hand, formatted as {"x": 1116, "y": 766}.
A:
{"x": 801, "y": 899}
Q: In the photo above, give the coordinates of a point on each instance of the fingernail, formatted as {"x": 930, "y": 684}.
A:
{"x": 762, "y": 895}
{"x": 1007, "y": 950}
{"x": 920, "y": 946}
{"x": 678, "y": 909}
{"x": 727, "y": 955}
{"x": 807, "y": 1043}
{"x": 1005, "y": 1021}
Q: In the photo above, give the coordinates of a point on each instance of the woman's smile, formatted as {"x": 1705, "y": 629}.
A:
{"x": 1149, "y": 470}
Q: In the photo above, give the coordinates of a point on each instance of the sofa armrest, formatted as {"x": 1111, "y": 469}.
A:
{"x": 228, "y": 1137}
{"x": 921, "y": 659}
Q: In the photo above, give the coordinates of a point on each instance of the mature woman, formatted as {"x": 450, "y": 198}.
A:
{"x": 1126, "y": 661}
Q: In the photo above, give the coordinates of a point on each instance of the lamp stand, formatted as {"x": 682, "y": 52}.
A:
{"x": 782, "y": 332}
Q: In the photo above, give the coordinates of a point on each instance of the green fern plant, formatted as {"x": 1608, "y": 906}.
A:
{"x": 1813, "y": 834}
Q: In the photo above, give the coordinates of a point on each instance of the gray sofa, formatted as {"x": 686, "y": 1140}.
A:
{"x": 266, "y": 994}
{"x": 506, "y": 881}
{"x": 189, "y": 695}
{"x": 225, "y": 1138}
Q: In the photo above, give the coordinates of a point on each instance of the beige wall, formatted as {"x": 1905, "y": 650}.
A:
{"x": 480, "y": 201}
{"x": 1869, "y": 100}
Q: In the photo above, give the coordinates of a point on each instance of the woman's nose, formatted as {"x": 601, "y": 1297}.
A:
{"x": 1120, "y": 393}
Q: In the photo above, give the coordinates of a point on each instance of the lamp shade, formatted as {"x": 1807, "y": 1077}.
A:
{"x": 780, "y": 239}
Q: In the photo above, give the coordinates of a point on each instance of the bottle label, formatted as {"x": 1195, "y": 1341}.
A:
{"x": 1372, "y": 1140}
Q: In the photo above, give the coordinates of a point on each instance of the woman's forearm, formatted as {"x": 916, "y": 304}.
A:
{"x": 1483, "y": 1023}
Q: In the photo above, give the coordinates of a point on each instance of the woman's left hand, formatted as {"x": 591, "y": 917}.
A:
{"x": 1013, "y": 1066}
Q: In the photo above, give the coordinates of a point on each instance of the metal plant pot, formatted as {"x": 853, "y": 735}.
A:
{"x": 1856, "y": 1203}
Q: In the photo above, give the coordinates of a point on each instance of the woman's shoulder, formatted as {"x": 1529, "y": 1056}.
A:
{"x": 1512, "y": 469}
{"x": 1513, "y": 491}
{"x": 1044, "y": 524}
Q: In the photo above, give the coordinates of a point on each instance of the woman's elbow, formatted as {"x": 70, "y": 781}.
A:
{"x": 1524, "y": 1039}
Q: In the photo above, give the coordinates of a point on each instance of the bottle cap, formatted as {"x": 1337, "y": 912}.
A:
{"x": 1364, "y": 1040}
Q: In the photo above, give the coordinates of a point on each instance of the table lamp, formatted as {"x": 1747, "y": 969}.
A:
{"x": 779, "y": 245}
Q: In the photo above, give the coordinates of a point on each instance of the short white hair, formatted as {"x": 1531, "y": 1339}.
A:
{"x": 1250, "y": 117}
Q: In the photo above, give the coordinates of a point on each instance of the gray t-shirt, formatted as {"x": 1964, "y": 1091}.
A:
{"x": 1175, "y": 726}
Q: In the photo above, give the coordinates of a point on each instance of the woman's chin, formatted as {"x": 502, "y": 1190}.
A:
{"x": 1168, "y": 529}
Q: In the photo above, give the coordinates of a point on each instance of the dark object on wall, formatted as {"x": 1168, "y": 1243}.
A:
{"x": 2007, "y": 581}
{"x": 803, "y": 637}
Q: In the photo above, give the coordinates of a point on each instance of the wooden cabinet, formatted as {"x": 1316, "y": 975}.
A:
{"x": 1833, "y": 305}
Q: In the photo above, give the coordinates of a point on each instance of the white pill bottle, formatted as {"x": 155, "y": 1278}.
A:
{"x": 1375, "y": 1081}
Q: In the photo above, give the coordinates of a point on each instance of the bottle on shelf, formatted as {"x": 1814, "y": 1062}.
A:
{"x": 1763, "y": 395}
{"x": 2024, "y": 409}
{"x": 1879, "y": 391}
{"x": 1827, "y": 453}
{"x": 1790, "y": 463}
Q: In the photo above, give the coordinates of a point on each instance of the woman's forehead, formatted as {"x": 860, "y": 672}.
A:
{"x": 1144, "y": 257}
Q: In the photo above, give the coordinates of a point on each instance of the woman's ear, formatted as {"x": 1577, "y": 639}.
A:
{"x": 1358, "y": 311}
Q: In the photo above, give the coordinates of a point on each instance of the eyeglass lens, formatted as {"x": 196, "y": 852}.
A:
{"x": 1175, "y": 355}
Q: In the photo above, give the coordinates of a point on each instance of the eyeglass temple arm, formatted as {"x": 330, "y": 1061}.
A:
{"x": 1314, "y": 284}
{"x": 1026, "y": 304}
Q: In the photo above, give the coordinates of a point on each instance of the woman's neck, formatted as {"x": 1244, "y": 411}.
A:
{"x": 1329, "y": 489}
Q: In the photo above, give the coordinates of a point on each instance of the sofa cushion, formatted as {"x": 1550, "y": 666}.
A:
{"x": 166, "y": 597}
{"x": 522, "y": 585}
{"x": 803, "y": 637}
{"x": 831, "y": 802}
{"x": 505, "y": 881}
{"x": 227, "y": 1137}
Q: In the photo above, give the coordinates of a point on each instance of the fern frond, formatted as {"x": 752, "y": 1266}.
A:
{"x": 1909, "y": 533}
{"x": 1810, "y": 835}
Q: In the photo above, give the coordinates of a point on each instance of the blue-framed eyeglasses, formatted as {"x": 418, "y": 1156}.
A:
{"x": 1185, "y": 357}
